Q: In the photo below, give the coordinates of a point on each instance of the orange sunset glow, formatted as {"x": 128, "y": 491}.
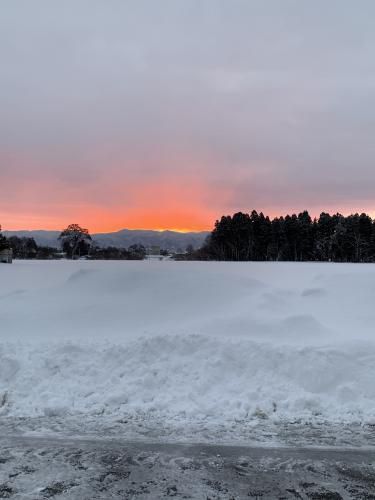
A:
{"x": 98, "y": 220}
{"x": 168, "y": 205}
{"x": 114, "y": 200}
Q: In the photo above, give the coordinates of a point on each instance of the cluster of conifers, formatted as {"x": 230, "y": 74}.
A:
{"x": 255, "y": 236}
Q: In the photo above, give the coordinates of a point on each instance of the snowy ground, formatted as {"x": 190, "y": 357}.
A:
{"x": 230, "y": 352}
{"x": 111, "y": 371}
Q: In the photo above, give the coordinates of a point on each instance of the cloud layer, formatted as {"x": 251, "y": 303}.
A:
{"x": 170, "y": 114}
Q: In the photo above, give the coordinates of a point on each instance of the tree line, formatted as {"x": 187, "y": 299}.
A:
{"x": 240, "y": 237}
{"x": 254, "y": 236}
{"x": 76, "y": 242}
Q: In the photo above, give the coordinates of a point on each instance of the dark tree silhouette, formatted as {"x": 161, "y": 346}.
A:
{"x": 23, "y": 248}
{"x": 75, "y": 241}
{"x": 4, "y": 244}
{"x": 136, "y": 252}
{"x": 292, "y": 238}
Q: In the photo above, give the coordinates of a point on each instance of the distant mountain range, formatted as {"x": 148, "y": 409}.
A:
{"x": 170, "y": 240}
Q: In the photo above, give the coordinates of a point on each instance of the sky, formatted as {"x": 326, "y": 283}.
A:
{"x": 171, "y": 113}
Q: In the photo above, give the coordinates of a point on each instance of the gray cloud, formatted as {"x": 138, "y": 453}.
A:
{"x": 271, "y": 100}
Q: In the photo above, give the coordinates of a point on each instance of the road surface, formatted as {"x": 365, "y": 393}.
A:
{"x": 39, "y": 468}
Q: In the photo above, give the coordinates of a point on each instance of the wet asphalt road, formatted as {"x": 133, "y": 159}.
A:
{"x": 39, "y": 468}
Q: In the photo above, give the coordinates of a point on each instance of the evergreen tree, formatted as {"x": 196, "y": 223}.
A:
{"x": 3, "y": 241}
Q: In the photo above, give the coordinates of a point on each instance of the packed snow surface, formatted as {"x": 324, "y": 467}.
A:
{"x": 188, "y": 341}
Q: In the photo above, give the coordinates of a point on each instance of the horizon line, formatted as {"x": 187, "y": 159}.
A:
{"x": 158, "y": 230}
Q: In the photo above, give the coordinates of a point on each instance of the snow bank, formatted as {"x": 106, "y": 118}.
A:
{"x": 188, "y": 340}
{"x": 192, "y": 377}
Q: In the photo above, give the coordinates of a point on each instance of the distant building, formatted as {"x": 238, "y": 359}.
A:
{"x": 6, "y": 256}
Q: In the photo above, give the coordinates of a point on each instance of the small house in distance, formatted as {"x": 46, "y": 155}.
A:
{"x": 6, "y": 256}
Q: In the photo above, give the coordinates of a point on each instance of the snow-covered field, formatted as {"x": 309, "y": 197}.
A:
{"x": 187, "y": 342}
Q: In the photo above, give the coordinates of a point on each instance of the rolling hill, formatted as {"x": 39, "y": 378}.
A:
{"x": 171, "y": 240}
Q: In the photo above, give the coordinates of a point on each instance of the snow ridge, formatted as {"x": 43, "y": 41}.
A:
{"x": 191, "y": 377}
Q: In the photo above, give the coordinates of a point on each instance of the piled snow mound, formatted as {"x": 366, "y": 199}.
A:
{"x": 188, "y": 340}
{"x": 192, "y": 377}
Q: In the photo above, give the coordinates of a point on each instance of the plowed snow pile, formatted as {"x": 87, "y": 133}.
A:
{"x": 185, "y": 341}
